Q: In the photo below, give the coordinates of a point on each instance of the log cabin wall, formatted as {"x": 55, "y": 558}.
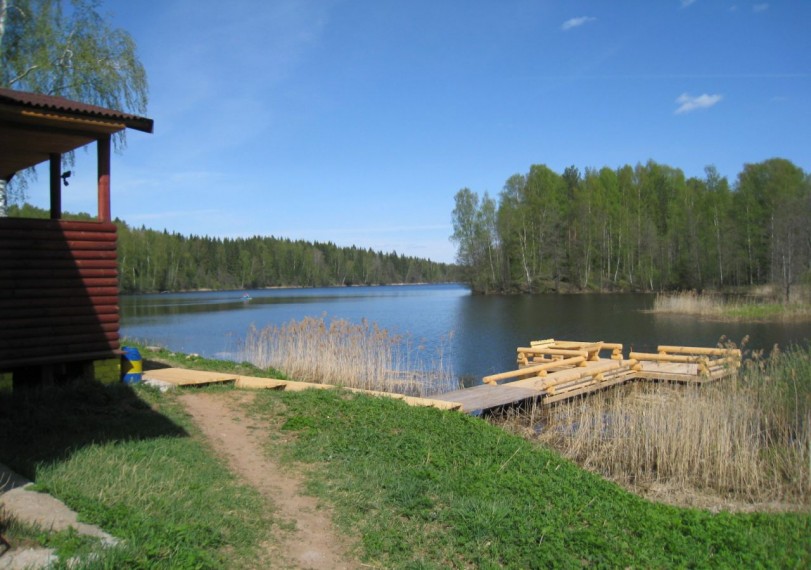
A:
{"x": 58, "y": 292}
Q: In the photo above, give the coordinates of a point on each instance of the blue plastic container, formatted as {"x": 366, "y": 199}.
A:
{"x": 132, "y": 366}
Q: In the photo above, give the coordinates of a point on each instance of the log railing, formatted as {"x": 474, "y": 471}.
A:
{"x": 708, "y": 360}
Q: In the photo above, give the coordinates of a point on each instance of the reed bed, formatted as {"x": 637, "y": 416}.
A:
{"x": 739, "y": 308}
{"x": 689, "y": 303}
{"x": 746, "y": 438}
{"x": 352, "y": 355}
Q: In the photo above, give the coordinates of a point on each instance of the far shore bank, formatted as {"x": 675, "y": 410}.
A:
{"x": 291, "y": 287}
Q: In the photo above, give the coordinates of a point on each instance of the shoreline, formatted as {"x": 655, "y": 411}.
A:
{"x": 291, "y": 287}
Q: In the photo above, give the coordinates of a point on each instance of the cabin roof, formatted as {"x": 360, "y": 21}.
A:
{"x": 34, "y": 126}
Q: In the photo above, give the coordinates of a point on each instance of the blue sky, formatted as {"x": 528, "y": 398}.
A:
{"x": 357, "y": 121}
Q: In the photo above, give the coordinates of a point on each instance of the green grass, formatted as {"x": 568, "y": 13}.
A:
{"x": 66, "y": 544}
{"x": 417, "y": 487}
{"x": 430, "y": 489}
{"x": 765, "y": 311}
{"x": 124, "y": 460}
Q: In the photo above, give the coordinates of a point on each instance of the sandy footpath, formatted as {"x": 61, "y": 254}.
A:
{"x": 313, "y": 543}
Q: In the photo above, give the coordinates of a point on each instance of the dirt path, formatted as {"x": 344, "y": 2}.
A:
{"x": 313, "y": 543}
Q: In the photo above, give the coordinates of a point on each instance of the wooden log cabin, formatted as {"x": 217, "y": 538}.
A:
{"x": 58, "y": 279}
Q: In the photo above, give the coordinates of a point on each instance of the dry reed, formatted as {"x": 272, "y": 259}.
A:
{"x": 689, "y": 303}
{"x": 351, "y": 355}
{"x": 747, "y": 438}
{"x": 752, "y": 307}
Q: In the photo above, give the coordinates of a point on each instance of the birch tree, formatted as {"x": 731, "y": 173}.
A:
{"x": 68, "y": 49}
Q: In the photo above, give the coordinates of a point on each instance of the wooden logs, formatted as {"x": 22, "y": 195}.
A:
{"x": 699, "y": 350}
{"x": 533, "y": 370}
{"x": 552, "y": 351}
{"x": 562, "y": 369}
{"x": 661, "y": 357}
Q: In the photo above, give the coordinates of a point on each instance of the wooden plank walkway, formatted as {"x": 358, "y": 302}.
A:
{"x": 548, "y": 370}
{"x": 186, "y": 377}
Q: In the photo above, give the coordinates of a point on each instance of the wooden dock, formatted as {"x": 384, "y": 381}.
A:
{"x": 548, "y": 371}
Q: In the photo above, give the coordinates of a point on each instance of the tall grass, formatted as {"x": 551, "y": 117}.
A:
{"x": 715, "y": 305}
{"x": 688, "y": 303}
{"x": 351, "y": 355}
{"x": 747, "y": 438}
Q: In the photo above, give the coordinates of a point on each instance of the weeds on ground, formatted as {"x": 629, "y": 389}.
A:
{"x": 431, "y": 489}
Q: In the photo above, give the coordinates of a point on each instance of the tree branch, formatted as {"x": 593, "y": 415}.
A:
{"x": 23, "y": 75}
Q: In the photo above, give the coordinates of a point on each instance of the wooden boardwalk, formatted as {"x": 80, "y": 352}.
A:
{"x": 548, "y": 371}
{"x": 185, "y": 377}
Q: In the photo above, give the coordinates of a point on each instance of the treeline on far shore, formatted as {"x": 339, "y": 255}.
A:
{"x": 646, "y": 228}
{"x": 151, "y": 261}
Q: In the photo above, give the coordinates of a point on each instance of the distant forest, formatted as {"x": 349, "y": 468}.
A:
{"x": 152, "y": 261}
{"x": 645, "y": 228}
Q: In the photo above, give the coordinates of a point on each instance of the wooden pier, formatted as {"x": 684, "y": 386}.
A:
{"x": 551, "y": 371}
{"x": 548, "y": 371}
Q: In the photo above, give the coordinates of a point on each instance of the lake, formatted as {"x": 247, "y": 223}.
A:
{"x": 480, "y": 333}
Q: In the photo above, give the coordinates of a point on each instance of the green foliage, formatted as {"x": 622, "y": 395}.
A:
{"x": 158, "y": 261}
{"x": 69, "y": 49}
{"x": 151, "y": 261}
{"x": 71, "y": 52}
{"x": 640, "y": 228}
{"x": 474, "y": 230}
{"x": 430, "y": 489}
{"x": 69, "y": 543}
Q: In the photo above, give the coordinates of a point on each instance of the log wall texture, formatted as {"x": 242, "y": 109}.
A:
{"x": 58, "y": 291}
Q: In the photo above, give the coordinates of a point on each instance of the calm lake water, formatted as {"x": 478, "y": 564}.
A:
{"x": 480, "y": 333}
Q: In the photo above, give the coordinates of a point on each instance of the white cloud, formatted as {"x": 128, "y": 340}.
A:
{"x": 576, "y": 22}
{"x": 760, "y": 7}
{"x": 685, "y": 3}
{"x": 689, "y": 103}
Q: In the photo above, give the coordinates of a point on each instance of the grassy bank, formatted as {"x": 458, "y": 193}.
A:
{"x": 124, "y": 459}
{"x": 419, "y": 488}
{"x": 713, "y": 305}
{"x": 430, "y": 489}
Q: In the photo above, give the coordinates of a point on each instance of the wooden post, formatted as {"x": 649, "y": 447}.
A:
{"x": 103, "y": 145}
{"x": 56, "y": 189}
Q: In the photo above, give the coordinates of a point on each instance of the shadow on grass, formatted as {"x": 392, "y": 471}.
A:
{"x": 149, "y": 364}
{"x": 46, "y": 425}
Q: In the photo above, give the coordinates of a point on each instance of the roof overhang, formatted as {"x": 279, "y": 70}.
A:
{"x": 34, "y": 126}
